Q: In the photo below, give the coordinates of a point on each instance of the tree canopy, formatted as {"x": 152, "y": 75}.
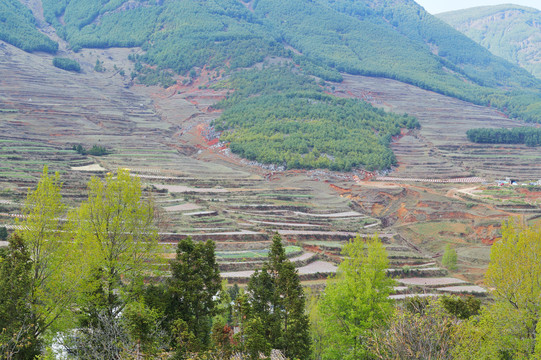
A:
{"x": 356, "y": 301}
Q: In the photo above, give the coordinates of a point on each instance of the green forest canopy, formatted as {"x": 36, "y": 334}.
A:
{"x": 292, "y": 122}
{"x": 520, "y": 135}
{"x": 18, "y": 28}
{"x": 399, "y": 41}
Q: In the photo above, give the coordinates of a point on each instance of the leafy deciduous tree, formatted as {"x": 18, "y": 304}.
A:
{"x": 55, "y": 276}
{"x": 510, "y": 327}
{"x": 449, "y": 258}
{"x": 115, "y": 228}
{"x": 356, "y": 300}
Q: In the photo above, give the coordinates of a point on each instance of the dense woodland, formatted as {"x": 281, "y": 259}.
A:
{"x": 66, "y": 64}
{"x": 292, "y": 122}
{"x": 95, "y": 287}
{"x": 18, "y": 27}
{"x": 520, "y": 135}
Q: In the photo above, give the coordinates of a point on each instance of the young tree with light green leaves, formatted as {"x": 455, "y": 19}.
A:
{"x": 509, "y": 328}
{"x": 117, "y": 236}
{"x": 356, "y": 300}
{"x": 56, "y": 272}
{"x": 449, "y": 258}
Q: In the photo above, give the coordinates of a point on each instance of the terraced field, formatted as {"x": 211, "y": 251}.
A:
{"x": 204, "y": 192}
{"x": 440, "y": 149}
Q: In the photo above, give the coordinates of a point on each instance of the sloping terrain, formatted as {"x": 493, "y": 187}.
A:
{"x": 164, "y": 135}
{"x": 205, "y": 192}
{"x": 509, "y": 31}
{"x": 393, "y": 39}
{"x": 440, "y": 149}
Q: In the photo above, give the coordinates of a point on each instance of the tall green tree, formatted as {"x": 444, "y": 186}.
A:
{"x": 277, "y": 302}
{"x": 116, "y": 238}
{"x": 17, "y": 330}
{"x": 193, "y": 288}
{"x": 449, "y": 258}
{"x": 55, "y": 276}
{"x": 115, "y": 229}
{"x": 356, "y": 300}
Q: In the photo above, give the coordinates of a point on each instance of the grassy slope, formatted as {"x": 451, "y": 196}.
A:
{"x": 508, "y": 31}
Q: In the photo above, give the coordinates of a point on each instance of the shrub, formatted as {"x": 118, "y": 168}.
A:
{"x": 449, "y": 258}
{"x": 66, "y": 64}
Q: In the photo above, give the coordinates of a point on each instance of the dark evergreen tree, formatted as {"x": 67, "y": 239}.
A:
{"x": 3, "y": 233}
{"x": 193, "y": 286}
{"x": 17, "y": 331}
{"x": 277, "y": 301}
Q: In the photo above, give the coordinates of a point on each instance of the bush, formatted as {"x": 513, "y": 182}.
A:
{"x": 449, "y": 258}
{"x": 94, "y": 150}
{"x": 66, "y": 64}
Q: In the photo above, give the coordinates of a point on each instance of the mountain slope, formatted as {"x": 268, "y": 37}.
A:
{"x": 510, "y": 31}
{"x": 394, "y": 38}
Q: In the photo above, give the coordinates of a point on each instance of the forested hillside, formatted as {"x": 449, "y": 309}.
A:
{"x": 18, "y": 27}
{"x": 393, "y": 39}
{"x": 294, "y": 124}
{"x": 509, "y": 31}
{"x": 396, "y": 39}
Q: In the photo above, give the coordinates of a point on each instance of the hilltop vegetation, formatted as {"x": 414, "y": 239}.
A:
{"x": 18, "y": 27}
{"x": 509, "y": 31}
{"x": 401, "y": 41}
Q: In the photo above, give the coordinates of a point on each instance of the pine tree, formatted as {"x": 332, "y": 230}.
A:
{"x": 3, "y": 233}
{"x": 277, "y": 300}
{"x": 17, "y": 332}
{"x": 193, "y": 286}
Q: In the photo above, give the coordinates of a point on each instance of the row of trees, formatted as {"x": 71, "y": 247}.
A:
{"x": 520, "y": 135}
{"x": 89, "y": 285}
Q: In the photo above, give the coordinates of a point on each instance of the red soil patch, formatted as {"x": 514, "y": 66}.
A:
{"x": 487, "y": 234}
{"x": 338, "y": 188}
{"x": 377, "y": 209}
{"x": 402, "y": 211}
